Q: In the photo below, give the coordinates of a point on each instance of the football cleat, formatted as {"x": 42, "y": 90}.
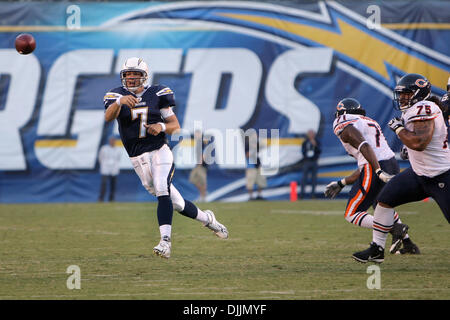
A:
{"x": 219, "y": 229}
{"x": 408, "y": 248}
{"x": 398, "y": 231}
{"x": 163, "y": 248}
{"x": 374, "y": 253}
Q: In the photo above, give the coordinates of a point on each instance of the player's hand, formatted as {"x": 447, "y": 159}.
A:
{"x": 153, "y": 129}
{"x": 396, "y": 125}
{"x": 129, "y": 100}
{"x": 404, "y": 153}
{"x": 332, "y": 189}
{"x": 385, "y": 177}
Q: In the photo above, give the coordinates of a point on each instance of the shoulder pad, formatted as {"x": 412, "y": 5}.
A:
{"x": 422, "y": 110}
{"x": 164, "y": 91}
{"x": 343, "y": 121}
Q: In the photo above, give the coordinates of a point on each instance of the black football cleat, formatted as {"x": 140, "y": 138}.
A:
{"x": 374, "y": 253}
{"x": 398, "y": 231}
{"x": 409, "y": 247}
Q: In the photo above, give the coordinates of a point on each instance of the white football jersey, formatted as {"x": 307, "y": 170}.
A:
{"x": 370, "y": 130}
{"x": 435, "y": 159}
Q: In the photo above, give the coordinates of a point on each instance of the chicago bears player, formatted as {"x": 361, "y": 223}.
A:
{"x": 144, "y": 115}
{"x": 363, "y": 139}
{"x": 422, "y": 130}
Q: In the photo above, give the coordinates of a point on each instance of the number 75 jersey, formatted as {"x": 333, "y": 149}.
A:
{"x": 435, "y": 159}
{"x": 371, "y": 132}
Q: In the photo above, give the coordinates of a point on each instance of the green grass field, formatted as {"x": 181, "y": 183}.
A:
{"x": 276, "y": 250}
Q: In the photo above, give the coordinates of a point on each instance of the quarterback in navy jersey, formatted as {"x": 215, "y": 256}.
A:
{"x": 144, "y": 114}
{"x": 132, "y": 121}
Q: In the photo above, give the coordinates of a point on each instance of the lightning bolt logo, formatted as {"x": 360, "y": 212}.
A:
{"x": 355, "y": 44}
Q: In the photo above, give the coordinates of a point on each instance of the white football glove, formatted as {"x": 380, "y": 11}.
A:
{"x": 385, "y": 177}
{"x": 333, "y": 188}
{"x": 396, "y": 125}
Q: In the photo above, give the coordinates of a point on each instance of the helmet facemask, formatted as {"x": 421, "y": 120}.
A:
{"x": 134, "y": 81}
{"x": 402, "y": 98}
{"x": 134, "y": 74}
{"x": 411, "y": 89}
{"x": 405, "y": 98}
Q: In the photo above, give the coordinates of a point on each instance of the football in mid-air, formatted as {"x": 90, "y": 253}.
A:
{"x": 25, "y": 43}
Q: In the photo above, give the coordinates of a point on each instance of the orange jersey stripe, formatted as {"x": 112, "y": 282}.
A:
{"x": 359, "y": 197}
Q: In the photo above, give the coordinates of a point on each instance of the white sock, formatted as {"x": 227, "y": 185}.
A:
{"x": 361, "y": 219}
{"x": 397, "y": 218}
{"x": 383, "y": 220}
{"x": 367, "y": 221}
{"x": 202, "y": 217}
{"x": 165, "y": 230}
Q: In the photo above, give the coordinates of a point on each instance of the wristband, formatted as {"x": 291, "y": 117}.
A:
{"x": 378, "y": 171}
{"x": 163, "y": 126}
{"x": 361, "y": 144}
{"x": 341, "y": 183}
{"x": 397, "y": 131}
{"x": 118, "y": 101}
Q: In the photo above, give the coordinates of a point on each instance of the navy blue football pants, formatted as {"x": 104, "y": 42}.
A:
{"x": 409, "y": 187}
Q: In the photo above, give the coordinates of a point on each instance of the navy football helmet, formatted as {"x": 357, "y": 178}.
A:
{"x": 349, "y": 106}
{"x": 411, "y": 89}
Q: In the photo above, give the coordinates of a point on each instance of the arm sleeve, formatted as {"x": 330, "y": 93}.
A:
{"x": 166, "y": 98}
{"x": 167, "y": 112}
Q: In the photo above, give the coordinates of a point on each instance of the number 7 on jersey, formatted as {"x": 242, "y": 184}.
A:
{"x": 142, "y": 113}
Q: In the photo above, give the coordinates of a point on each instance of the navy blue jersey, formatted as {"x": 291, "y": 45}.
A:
{"x": 134, "y": 135}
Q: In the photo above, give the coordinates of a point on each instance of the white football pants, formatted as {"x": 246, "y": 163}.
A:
{"x": 155, "y": 169}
